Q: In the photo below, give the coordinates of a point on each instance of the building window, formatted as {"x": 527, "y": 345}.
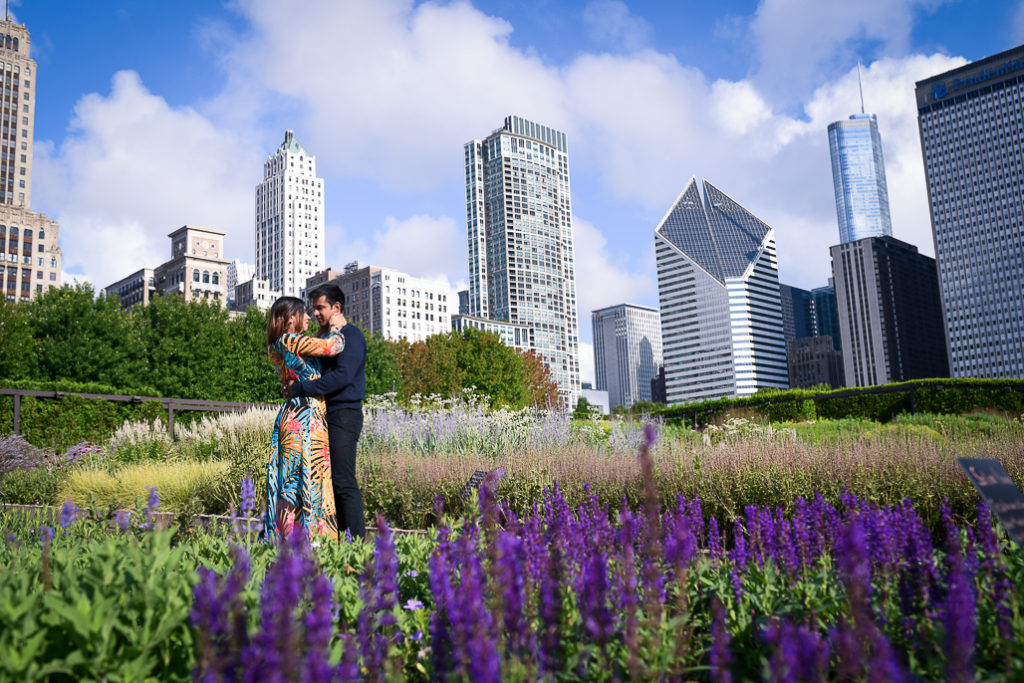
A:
{"x": 195, "y": 275}
{"x": 206, "y": 277}
{"x": 28, "y": 234}
{"x": 216, "y": 278}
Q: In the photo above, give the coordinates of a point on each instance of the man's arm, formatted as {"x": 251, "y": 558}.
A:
{"x": 341, "y": 375}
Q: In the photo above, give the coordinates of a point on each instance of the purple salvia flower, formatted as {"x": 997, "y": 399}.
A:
{"x": 67, "y": 514}
{"x": 319, "y": 625}
{"x": 380, "y": 598}
{"x": 597, "y": 617}
{"x": 248, "y": 497}
{"x": 720, "y": 657}
{"x": 714, "y": 539}
{"x": 219, "y": 618}
{"x": 511, "y": 556}
{"x": 959, "y": 618}
{"x": 123, "y": 519}
{"x": 550, "y": 612}
{"x": 442, "y": 650}
{"x": 46, "y": 534}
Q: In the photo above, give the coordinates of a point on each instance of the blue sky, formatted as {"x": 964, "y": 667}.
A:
{"x": 151, "y": 115}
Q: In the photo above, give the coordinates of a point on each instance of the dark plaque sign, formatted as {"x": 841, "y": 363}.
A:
{"x": 473, "y": 483}
{"x": 1000, "y": 493}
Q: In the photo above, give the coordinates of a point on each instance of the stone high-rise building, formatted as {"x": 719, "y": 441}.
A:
{"x": 289, "y": 219}
{"x": 29, "y": 251}
{"x": 627, "y": 352}
{"x": 519, "y": 225}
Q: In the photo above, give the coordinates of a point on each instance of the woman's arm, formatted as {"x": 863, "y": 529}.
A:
{"x": 304, "y": 345}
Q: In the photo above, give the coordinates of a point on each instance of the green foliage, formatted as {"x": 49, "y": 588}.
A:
{"x": 17, "y": 352}
{"x": 37, "y": 486}
{"x": 583, "y": 409}
{"x": 948, "y": 396}
{"x": 180, "y": 484}
{"x": 83, "y": 337}
{"x": 383, "y": 374}
{"x": 444, "y": 364}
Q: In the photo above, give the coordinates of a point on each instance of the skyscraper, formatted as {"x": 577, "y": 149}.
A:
{"x": 972, "y": 138}
{"x": 29, "y": 251}
{"x": 627, "y": 352}
{"x": 289, "y": 218}
{"x": 721, "y": 313}
{"x": 519, "y": 225}
{"x": 797, "y": 312}
{"x": 858, "y": 177}
{"x": 890, "y": 317}
{"x": 826, "y": 314}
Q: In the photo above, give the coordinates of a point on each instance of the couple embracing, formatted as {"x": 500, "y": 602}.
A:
{"x": 311, "y": 476}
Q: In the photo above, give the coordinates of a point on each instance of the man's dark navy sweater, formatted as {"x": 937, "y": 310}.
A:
{"x": 342, "y": 382}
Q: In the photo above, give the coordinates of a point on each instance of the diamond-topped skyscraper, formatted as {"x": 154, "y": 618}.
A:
{"x": 858, "y": 177}
{"x": 289, "y": 219}
{"x": 721, "y": 314}
{"x": 519, "y": 227}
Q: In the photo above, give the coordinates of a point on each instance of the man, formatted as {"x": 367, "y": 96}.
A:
{"x": 343, "y": 386}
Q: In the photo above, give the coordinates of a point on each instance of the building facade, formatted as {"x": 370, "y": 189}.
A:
{"x": 627, "y": 352}
{"x": 393, "y": 304}
{"x": 858, "y": 178}
{"x": 289, "y": 218}
{"x": 813, "y": 361}
{"x": 255, "y": 293}
{"x": 520, "y": 241}
{"x": 797, "y": 312}
{"x": 197, "y": 269}
{"x": 890, "y": 315}
{"x": 135, "y": 290}
{"x": 972, "y": 139}
{"x": 238, "y": 272}
{"x": 826, "y": 314}
{"x": 721, "y": 311}
{"x": 517, "y": 336}
{"x": 28, "y": 240}
{"x": 31, "y": 257}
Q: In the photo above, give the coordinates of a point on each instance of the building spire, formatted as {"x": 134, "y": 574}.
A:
{"x": 860, "y": 86}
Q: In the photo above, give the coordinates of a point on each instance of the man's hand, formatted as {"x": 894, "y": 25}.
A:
{"x": 286, "y": 389}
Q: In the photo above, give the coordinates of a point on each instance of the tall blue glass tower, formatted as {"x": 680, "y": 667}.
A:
{"x": 858, "y": 174}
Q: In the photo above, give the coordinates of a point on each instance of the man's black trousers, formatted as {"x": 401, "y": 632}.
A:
{"x": 343, "y": 428}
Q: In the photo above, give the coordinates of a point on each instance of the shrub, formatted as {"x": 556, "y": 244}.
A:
{"x": 37, "y": 486}
{"x": 199, "y": 486}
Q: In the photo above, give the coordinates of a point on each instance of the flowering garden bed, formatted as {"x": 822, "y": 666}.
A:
{"x": 854, "y": 591}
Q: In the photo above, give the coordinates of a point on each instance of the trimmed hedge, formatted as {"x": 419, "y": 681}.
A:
{"x": 59, "y": 423}
{"x": 941, "y": 396}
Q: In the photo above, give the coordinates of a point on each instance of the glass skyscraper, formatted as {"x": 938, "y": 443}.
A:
{"x": 972, "y": 137}
{"x": 627, "y": 352}
{"x": 519, "y": 225}
{"x": 721, "y": 311}
{"x": 858, "y": 176}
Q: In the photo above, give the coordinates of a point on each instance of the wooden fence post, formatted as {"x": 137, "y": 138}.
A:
{"x": 170, "y": 419}
{"x": 17, "y": 413}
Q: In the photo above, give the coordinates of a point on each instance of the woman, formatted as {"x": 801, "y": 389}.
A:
{"x": 299, "y": 472}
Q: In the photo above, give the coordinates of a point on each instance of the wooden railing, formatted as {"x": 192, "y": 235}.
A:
{"x": 172, "y": 405}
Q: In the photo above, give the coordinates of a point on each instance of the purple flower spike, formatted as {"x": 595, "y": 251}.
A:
{"x": 961, "y": 621}
{"x": 68, "y": 514}
{"x": 248, "y": 497}
{"x": 720, "y": 657}
{"x": 319, "y": 624}
{"x": 46, "y": 534}
{"x": 123, "y": 519}
{"x": 650, "y": 434}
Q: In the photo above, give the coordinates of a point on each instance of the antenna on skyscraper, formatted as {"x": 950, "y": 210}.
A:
{"x": 860, "y": 86}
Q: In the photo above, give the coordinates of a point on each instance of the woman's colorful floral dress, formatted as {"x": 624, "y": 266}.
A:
{"x": 299, "y": 472}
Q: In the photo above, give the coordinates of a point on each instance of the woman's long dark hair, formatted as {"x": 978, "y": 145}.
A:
{"x": 280, "y": 316}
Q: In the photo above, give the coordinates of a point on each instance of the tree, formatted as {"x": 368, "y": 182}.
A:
{"x": 542, "y": 389}
{"x": 583, "y": 409}
{"x": 82, "y": 337}
{"x": 383, "y": 373}
{"x": 18, "y": 350}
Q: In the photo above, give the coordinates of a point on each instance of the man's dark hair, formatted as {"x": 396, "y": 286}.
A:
{"x": 329, "y": 290}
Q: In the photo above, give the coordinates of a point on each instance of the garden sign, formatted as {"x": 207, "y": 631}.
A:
{"x": 1000, "y": 493}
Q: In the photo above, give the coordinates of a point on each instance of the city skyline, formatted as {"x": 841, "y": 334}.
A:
{"x": 217, "y": 107}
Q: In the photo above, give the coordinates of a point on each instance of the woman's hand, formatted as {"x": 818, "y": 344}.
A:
{"x": 338, "y": 320}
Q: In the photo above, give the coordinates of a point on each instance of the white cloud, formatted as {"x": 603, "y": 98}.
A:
{"x": 610, "y": 22}
{"x": 602, "y": 280}
{"x": 422, "y": 246}
{"x": 133, "y": 169}
{"x": 801, "y": 41}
